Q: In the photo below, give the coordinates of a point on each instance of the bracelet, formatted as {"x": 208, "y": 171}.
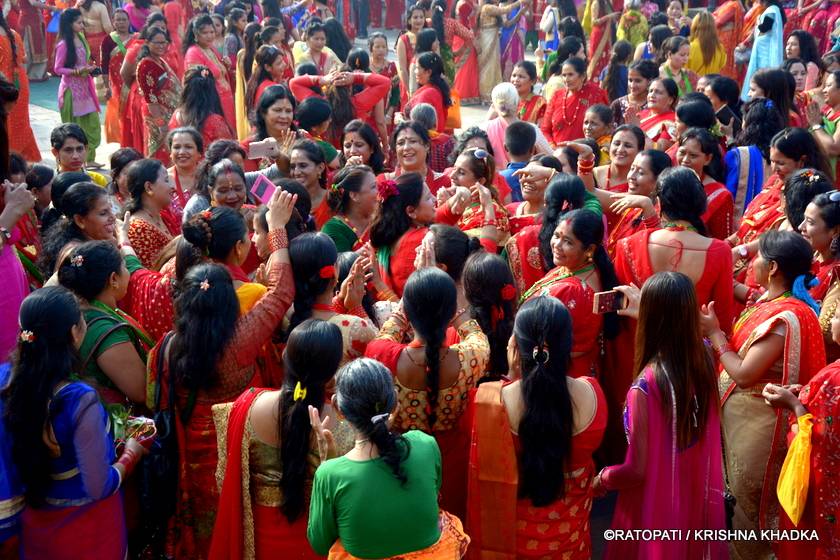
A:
{"x": 278, "y": 239}
{"x": 722, "y": 349}
{"x": 386, "y": 295}
{"x": 488, "y": 223}
{"x": 125, "y": 244}
{"x": 128, "y": 460}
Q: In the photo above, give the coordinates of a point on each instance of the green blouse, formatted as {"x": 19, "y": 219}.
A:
{"x": 344, "y": 237}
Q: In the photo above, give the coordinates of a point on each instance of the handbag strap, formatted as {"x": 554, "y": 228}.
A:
{"x": 90, "y": 355}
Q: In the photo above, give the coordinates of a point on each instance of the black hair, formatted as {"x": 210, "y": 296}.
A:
{"x": 17, "y": 164}
{"x": 373, "y": 37}
{"x": 569, "y": 25}
{"x": 343, "y": 265}
{"x": 659, "y": 160}
{"x": 119, "y": 161}
{"x": 490, "y": 291}
{"x": 799, "y": 145}
{"x": 638, "y": 133}
{"x": 543, "y": 334}
{"x": 196, "y": 23}
{"x": 391, "y": 221}
{"x": 577, "y": 63}
{"x": 670, "y": 88}
{"x": 433, "y": 62}
{"x": 9, "y": 94}
{"x": 550, "y": 161}
{"x": 647, "y": 68}
{"x": 251, "y": 38}
{"x": 347, "y": 180}
{"x": 425, "y": 39}
{"x": 430, "y": 301}
{"x": 300, "y": 221}
{"x": 710, "y": 147}
{"x": 682, "y": 196}
{"x": 366, "y": 133}
{"x": 337, "y": 39}
{"x": 621, "y": 53}
{"x": 78, "y": 200}
{"x": 762, "y": 122}
{"x": 87, "y": 269}
{"x": 482, "y": 168}
{"x": 467, "y": 135}
{"x": 658, "y": 35}
{"x": 728, "y": 91}
{"x": 696, "y": 113}
{"x": 563, "y": 193}
{"x": 808, "y": 49}
{"x": 358, "y": 59}
{"x": 270, "y": 96}
{"x": 365, "y": 395}
{"x": 265, "y": 56}
{"x": 776, "y": 86}
{"x": 791, "y": 252}
{"x": 603, "y": 113}
{"x": 210, "y": 234}
{"x": 340, "y": 99}
{"x": 438, "y": 17}
{"x": 60, "y": 134}
{"x": 38, "y": 367}
{"x": 234, "y": 15}
{"x": 309, "y": 254}
{"x": 199, "y": 98}
{"x": 520, "y": 138}
{"x": 4, "y": 25}
{"x": 313, "y": 111}
{"x": 191, "y": 132}
{"x": 452, "y": 248}
{"x": 313, "y": 353}
{"x": 137, "y": 174}
{"x": 206, "y": 313}
{"x": 66, "y": 34}
{"x": 804, "y": 186}
{"x": 315, "y": 154}
{"x": 672, "y": 45}
{"x": 529, "y": 68}
{"x": 39, "y": 176}
{"x": 149, "y": 34}
{"x": 62, "y": 182}
{"x": 569, "y": 46}
{"x": 659, "y": 18}
{"x": 217, "y": 151}
{"x": 419, "y": 130}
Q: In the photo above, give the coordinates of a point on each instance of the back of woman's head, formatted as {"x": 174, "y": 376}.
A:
{"x": 391, "y": 221}
{"x": 804, "y": 186}
{"x": 429, "y": 300}
{"x": 300, "y": 222}
{"x": 45, "y": 356}
{"x": 452, "y": 248}
{"x": 697, "y": 113}
{"x": 39, "y": 176}
{"x": 489, "y": 288}
{"x": 543, "y": 334}
{"x": 464, "y": 139}
{"x": 775, "y": 84}
{"x": 206, "y": 311}
{"x": 794, "y": 257}
{"x": 799, "y": 145}
{"x": 119, "y": 161}
{"x": 682, "y": 196}
{"x": 199, "y": 98}
{"x": 212, "y": 234}
{"x": 87, "y": 270}
{"x": 313, "y": 352}
{"x": 669, "y": 336}
{"x": 336, "y": 38}
{"x": 73, "y": 194}
{"x": 313, "y": 111}
{"x": 365, "y": 395}
{"x": 505, "y": 99}
{"x": 137, "y": 174}
{"x": 762, "y": 121}
{"x": 434, "y": 63}
{"x": 79, "y": 200}
{"x": 425, "y": 40}
{"x": 564, "y": 192}
{"x": 313, "y": 257}
{"x": 358, "y": 60}
{"x": 621, "y": 52}
{"x": 727, "y": 91}
{"x": 366, "y": 133}
{"x": 658, "y": 35}
{"x": 710, "y": 146}
{"x": 348, "y": 180}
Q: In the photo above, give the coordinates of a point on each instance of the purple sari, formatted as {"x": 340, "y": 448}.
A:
{"x": 512, "y": 43}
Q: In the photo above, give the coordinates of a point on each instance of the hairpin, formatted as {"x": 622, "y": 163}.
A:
{"x": 480, "y": 153}
{"x": 540, "y": 354}
{"x": 508, "y": 292}
{"x": 327, "y": 272}
{"x": 388, "y": 189}
{"x": 27, "y": 336}
{"x": 205, "y": 285}
{"x": 336, "y": 189}
{"x": 768, "y": 103}
{"x": 379, "y": 418}
{"x": 300, "y": 392}
{"x": 810, "y": 176}
{"x": 77, "y": 261}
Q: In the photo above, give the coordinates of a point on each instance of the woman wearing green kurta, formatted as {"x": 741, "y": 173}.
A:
{"x": 352, "y": 197}
{"x": 113, "y": 352}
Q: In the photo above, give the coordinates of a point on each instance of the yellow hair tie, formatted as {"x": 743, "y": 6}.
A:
{"x": 300, "y": 392}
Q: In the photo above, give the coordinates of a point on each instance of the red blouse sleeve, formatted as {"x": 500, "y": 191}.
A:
{"x": 301, "y": 87}
{"x": 215, "y": 128}
{"x": 719, "y": 258}
{"x": 148, "y": 78}
{"x": 545, "y": 124}
{"x": 375, "y": 89}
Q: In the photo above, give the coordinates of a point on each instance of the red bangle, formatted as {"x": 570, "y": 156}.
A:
{"x": 278, "y": 239}
{"x": 128, "y": 460}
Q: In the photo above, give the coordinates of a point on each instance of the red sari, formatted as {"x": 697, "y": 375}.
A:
{"x": 113, "y": 55}
{"x": 220, "y": 68}
{"x": 532, "y": 109}
{"x": 396, "y": 263}
{"x": 157, "y": 85}
{"x": 628, "y": 223}
{"x": 730, "y": 15}
{"x": 394, "y": 12}
{"x": 466, "y": 73}
{"x": 502, "y": 526}
{"x": 21, "y": 137}
{"x": 524, "y": 257}
{"x": 517, "y": 221}
{"x": 656, "y": 126}
{"x": 215, "y": 127}
{"x": 763, "y": 214}
{"x": 720, "y": 210}
{"x": 563, "y": 120}
{"x": 430, "y": 94}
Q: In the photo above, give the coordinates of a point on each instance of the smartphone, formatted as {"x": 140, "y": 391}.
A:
{"x": 263, "y": 189}
{"x": 259, "y": 150}
{"x": 607, "y": 302}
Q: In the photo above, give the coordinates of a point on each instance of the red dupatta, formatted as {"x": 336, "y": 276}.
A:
{"x": 229, "y": 531}
{"x": 653, "y": 125}
{"x": 720, "y": 210}
{"x": 524, "y": 257}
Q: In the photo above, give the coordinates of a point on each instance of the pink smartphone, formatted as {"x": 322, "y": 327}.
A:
{"x": 258, "y": 150}
{"x": 607, "y": 302}
{"x": 263, "y": 189}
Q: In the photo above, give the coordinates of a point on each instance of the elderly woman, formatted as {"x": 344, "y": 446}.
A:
{"x": 503, "y": 112}
{"x": 442, "y": 144}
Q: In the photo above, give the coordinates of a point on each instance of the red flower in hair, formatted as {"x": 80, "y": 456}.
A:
{"x": 387, "y": 190}
{"x": 207, "y": 214}
{"x": 508, "y": 292}
{"x": 327, "y": 271}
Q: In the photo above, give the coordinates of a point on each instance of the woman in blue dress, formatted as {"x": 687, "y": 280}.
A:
{"x": 768, "y": 47}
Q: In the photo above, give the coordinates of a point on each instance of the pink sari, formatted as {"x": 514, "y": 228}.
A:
{"x": 496, "y": 133}
{"x": 663, "y": 487}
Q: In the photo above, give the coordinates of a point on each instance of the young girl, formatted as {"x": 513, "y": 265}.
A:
{"x": 613, "y": 77}
{"x": 475, "y": 169}
{"x": 597, "y": 125}
{"x": 676, "y": 50}
{"x": 379, "y": 64}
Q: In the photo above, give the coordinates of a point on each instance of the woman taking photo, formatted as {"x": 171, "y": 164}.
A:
{"x": 671, "y": 477}
{"x": 582, "y": 268}
{"x": 361, "y": 146}
{"x": 61, "y": 450}
{"x": 432, "y": 87}
{"x": 275, "y": 427}
{"x": 273, "y": 118}
{"x": 200, "y": 107}
{"x": 160, "y": 92}
{"x": 77, "y": 100}
{"x": 404, "y": 471}
{"x": 151, "y": 226}
{"x": 113, "y": 351}
{"x": 114, "y": 48}
{"x": 563, "y": 119}
{"x": 186, "y": 148}
{"x": 199, "y": 50}
{"x": 700, "y": 152}
{"x": 779, "y": 341}
{"x": 352, "y": 199}
{"x": 640, "y": 74}
{"x": 657, "y": 121}
{"x": 542, "y": 491}
{"x": 412, "y": 146}
{"x": 209, "y": 358}
{"x": 433, "y": 379}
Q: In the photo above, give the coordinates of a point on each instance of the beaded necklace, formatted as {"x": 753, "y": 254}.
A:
{"x": 580, "y": 103}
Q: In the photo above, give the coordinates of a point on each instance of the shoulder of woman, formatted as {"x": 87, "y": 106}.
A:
{"x": 420, "y": 437}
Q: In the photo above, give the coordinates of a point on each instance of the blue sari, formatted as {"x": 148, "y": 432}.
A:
{"x": 11, "y": 490}
{"x": 512, "y": 43}
{"x": 745, "y": 175}
{"x": 768, "y": 48}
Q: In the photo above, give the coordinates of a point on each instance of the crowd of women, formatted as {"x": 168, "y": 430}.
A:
{"x": 307, "y": 313}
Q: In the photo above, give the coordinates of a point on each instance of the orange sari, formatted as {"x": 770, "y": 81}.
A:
{"x": 729, "y": 19}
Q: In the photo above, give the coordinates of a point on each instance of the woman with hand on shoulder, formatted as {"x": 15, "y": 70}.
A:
{"x": 779, "y": 341}
{"x": 353, "y": 198}
{"x": 151, "y": 227}
{"x": 543, "y": 493}
{"x": 671, "y": 477}
{"x": 272, "y": 479}
{"x": 200, "y": 107}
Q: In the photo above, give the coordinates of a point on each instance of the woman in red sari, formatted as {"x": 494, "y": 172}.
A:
{"x": 186, "y": 150}
{"x": 466, "y": 61}
{"x": 151, "y": 226}
{"x": 563, "y": 119}
{"x": 729, "y": 19}
{"x": 394, "y": 11}
{"x": 412, "y": 145}
{"x": 200, "y": 107}
{"x": 582, "y": 268}
{"x": 160, "y": 90}
{"x": 13, "y": 67}
{"x": 600, "y": 38}
{"x": 657, "y": 121}
{"x": 405, "y": 49}
{"x": 433, "y": 380}
{"x": 531, "y": 106}
{"x": 700, "y": 152}
{"x": 526, "y": 499}
{"x": 776, "y": 340}
{"x": 199, "y": 50}
{"x": 432, "y": 87}
{"x": 262, "y": 514}
{"x": 209, "y": 358}
{"x": 114, "y": 48}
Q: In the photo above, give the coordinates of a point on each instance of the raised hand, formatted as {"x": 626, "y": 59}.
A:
{"x": 326, "y": 441}
{"x": 280, "y": 209}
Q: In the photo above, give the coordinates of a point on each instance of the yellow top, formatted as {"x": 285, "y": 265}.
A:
{"x": 695, "y": 60}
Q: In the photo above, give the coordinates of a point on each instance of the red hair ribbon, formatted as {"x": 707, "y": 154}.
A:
{"x": 388, "y": 189}
{"x": 496, "y": 314}
{"x": 508, "y": 292}
{"x": 327, "y": 271}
